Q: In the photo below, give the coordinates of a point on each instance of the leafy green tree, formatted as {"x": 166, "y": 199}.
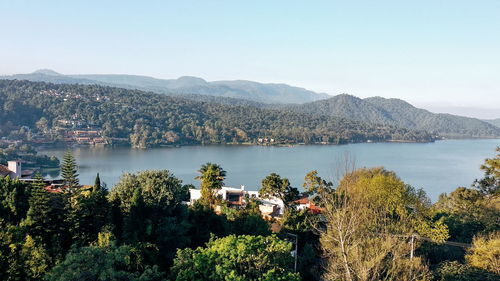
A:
{"x": 490, "y": 183}
{"x": 367, "y": 219}
{"x": 69, "y": 170}
{"x": 212, "y": 179}
{"x": 12, "y": 267}
{"x": 13, "y": 200}
{"x": 274, "y": 186}
{"x": 88, "y": 213}
{"x": 45, "y": 219}
{"x": 246, "y": 220}
{"x": 468, "y": 212}
{"x": 136, "y": 225}
{"x": 150, "y": 210}
{"x": 159, "y": 188}
{"x": 110, "y": 263}
{"x": 316, "y": 186}
{"x": 36, "y": 259}
{"x": 485, "y": 252}
{"x": 203, "y": 223}
{"x": 455, "y": 271}
{"x": 236, "y": 258}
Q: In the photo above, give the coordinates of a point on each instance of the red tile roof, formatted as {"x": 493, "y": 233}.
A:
{"x": 302, "y": 201}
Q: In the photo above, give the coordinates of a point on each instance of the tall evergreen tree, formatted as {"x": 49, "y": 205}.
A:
{"x": 69, "y": 170}
{"x": 88, "y": 213}
{"x": 38, "y": 216}
{"x": 97, "y": 183}
{"x": 45, "y": 218}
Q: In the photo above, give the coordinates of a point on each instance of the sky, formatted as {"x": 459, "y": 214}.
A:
{"x": 443, "y": 55}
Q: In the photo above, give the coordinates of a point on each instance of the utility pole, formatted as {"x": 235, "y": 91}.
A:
{"x": 412, "y": 246}
{"x": 296, "y": 249}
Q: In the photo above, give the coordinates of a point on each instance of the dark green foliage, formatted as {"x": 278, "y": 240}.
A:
{"x": 88, "y": 213}
{"x": 303, "y": 223}
{"x": 97, "y": 183}
{"x": 490, "y": 183}
{"x": 13, "y": 200}
{"x": 69, "y": 170}
{"x": 274, "y": 185}
{"x": 203, "y": 223}
{"x": 147, "y": 119}
{"x": 236, "y": 258}
{"x": 46, "y": 219}
{"x": 149, "y": 211}
{"x": 455, "y": 271}
{"x": 110, "y": 263}
{"x": 11, "y": 263}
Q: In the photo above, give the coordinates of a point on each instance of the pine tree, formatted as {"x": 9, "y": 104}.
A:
{"x": 88, "y": 213}
{"x": 45, "y": 218}
{"x": 38, "y": 215}
{"x": 97, "y": 183}
{"x": 69, "y": 171}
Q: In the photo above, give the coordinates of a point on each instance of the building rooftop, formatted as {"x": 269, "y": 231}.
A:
{"x": 4, "y": 170}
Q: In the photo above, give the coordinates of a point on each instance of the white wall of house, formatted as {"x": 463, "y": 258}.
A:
{"x": 15, "y": 168}
{"x": 269, "y": 203}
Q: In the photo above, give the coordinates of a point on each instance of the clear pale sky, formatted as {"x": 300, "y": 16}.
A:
{"x": 443, "y": 55}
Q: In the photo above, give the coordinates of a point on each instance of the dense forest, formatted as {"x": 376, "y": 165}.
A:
{"x": 147, "y": 119}
{"x": 372, "y": 226}
{"x": 399, "y": 113}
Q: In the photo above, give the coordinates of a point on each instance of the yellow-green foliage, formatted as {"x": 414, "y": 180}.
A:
{"x": 36, "y": 259}
{"x": 485, "y": 252}
{"x": 369, "y": 219}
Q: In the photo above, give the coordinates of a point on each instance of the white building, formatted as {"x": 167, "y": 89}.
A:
{"x": 236, "y": 197}
{"x": 13, "y": 170}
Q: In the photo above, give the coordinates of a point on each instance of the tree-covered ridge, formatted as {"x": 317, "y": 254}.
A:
{"x": 399, "y": 113}
{"x": 148, "y": 119}
{"x": 254, "y": 91}
{"x": 495, "y": 122}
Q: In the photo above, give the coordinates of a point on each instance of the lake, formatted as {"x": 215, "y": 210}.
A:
{"x": 436, "y": 167}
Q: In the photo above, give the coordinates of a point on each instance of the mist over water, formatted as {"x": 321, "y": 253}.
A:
{"x": 436, "y": 167}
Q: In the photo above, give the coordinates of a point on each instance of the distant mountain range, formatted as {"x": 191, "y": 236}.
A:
{"x": 495, "y": 122}
{"x": 399, "y": 113}
{"x": 249, "y": 90}
{"x": 378, "y": 110}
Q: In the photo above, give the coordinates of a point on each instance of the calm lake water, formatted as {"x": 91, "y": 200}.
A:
{"x": 436, "y": 167}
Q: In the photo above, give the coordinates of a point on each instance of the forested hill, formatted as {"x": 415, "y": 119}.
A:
{"x": 399, "y": 113}
{"x": 148, "y": 119}
{"x": 495, "y": 122}
{"x": 254, "y": 91}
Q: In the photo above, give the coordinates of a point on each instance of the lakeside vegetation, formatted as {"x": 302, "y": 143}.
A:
{"x": 28, "y": 155}
{"x": 145, "y": 119}
{"x": 372, "y": 226}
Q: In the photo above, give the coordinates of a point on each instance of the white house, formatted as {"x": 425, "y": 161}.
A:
{"x": 236, "y": 197}
{"x": 13, "y": 170}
